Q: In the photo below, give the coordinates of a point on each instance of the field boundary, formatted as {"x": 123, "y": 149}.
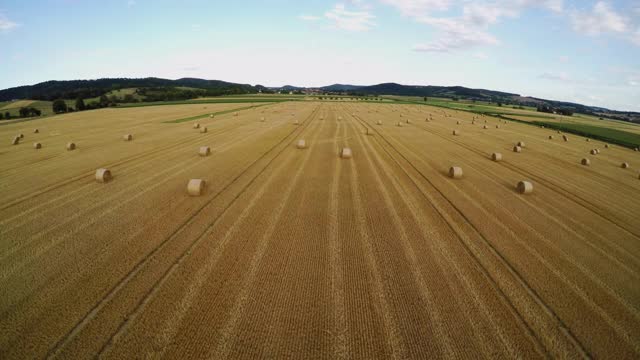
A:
{"x": 191, "y": 118}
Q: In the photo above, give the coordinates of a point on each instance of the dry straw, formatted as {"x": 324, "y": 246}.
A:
{"x": 625, "y": 165}
{"x": 127, "y": 137}
{"x": 586, "y": 162}
{"x": 21, "y": 136}
{"x": 204, "y": 151}
{"x": 524, "y": 187}
{"x": 399, "y": 124}
{"x": 103, "y": 175}
{"x": 455, "y": 172}
{"x": 211, "y": 116}
{"x": 588, "y": 140}
{"x": 565, "y": 138}
{"x": 517, "y": 149}
{"x": 301, "y": 144}
{"x": 521, "y": 144}
{"x": 71, "y": 146}
{"x": 203, "y": 130}
{"x": 196, "y": 126}
{"x": 16, "y": 140}
{"x": 485, "y": 127}
{"x": 594, "y": 152}
{"x": 37, "y": 145}
{"x": 35, "y": 131}
{"x": 606, "y": 146}
{"x": 346, "y": 153}
{"x": 263, "y": 119}
{"x": 379, "y": 122}
{"x": 456, "y": 132}
{"x": 496, "y": 157}
{"x": 195, "y": 187}
{"x": 550, "y": 137}
{"x": 497, "y": 126}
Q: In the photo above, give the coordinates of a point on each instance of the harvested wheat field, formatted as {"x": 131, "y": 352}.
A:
{"x": 290, "y": 253}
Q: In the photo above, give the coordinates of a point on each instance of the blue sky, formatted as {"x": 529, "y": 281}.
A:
{"x": 581, "y": 51}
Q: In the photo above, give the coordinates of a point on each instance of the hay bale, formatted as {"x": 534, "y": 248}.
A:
{"x": 204, "y": 151}
{"x": 550, "y": 137}
{"x": 16, "y": 140}
{"x": 301, "y": 144}
{"x": 559, "y": 132}
{"x": 37, "y": 145}
{"x": 606, "y": 146}
{"x": 211, "y": 116}
{"x": 21, "y": 136}
{"x": 524, "y": 187}
{"x": 263, "y": 119}
{"x": 588, "y": 140}
{"x": 71, "y": 146}
{"x": 35, "y": 131}
{"x": 636, "y": 149}
{"x": 597, "y": 151}
{"x": 594, "y": 152}
{"x": 625, "y": 165}
{"x": 458, "y": 122}
{"x": 496, "y": 157}
{"x": 296, "y": 122}
{"x": 379, "y": 122}
{"x": 455, "y": 172}
{"x": 521, "y": 144}
{"x": 346, "y": 153}
{"x": 103, "y": 175}
{"x": 203, "y": 130}
{"x": 196, "y": 126}
{"x": 497, "y": 126}
{"x": 585, "y": 162}
{"x": 408, "y": 121}
{"x": 456, "y": 132}
{"x": 235, "y": 114}
{"x": 517, "y": 149}
{"x": 565, "y": 138}
{"x": 195, "y": 187}
{"x": 369, "y": 132}
{"x": 127, "y": 137}
{"x": 485, "y": 127}
{"x": 399, "y": 124}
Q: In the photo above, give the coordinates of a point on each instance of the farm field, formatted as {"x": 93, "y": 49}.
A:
{"x": 298, "y": 253}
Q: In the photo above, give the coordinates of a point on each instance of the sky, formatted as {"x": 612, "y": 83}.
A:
{"x": 579, "y": 51}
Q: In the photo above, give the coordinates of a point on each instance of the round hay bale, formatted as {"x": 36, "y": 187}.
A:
{"x": 585, "y": 162}
{"x": 565, "y": 138}
{"x": 263, "y": 119}
{"x": 203, "y": 130}
{"x": 16, "y": 140}
{"x": 550, "y": 137}
{"x": 37, "y": 145}
{"x": 588, "y": 140}
{"x": 346, "y": 153}
{"x": 339, "y": 117}
{"x": 458, "y": 122}
{"x": 606, "y": 146}
{"x": 455, "y": 172}
{"x": 408, "y": 121}
{"x": 597, "y": 151}
{"x": 369, "y": 132}
{"x": 399, "y": 124}
{"x": 625, "y": 165}
{"x": 21, "y": 136}
{"x": 196, "y": 126}
{"x": 456, "y": 132}
{"x": 497, "y": 126}
{"x": 296, "y": 122}
{"x": 559, "y": 132}
{"x": 35, "y": 131}
{"x": 103, "y": 175}
{"x": 71, "y": 146}
{"x": 195, "y": 187}
{"x": 301, "y": 144}
{"x": 473, "y": 122}
{"x": 594, "y": 152}
{"x": 485, "y": 127}
{"x": 496, "y": 157}
{"x": 517, "y": 149}
{"x": 521, "y": 144}
{"x": 211, "y": 116}
{"x": 524, "y": 187}
{"x": 636, "y": 149}
{"x": 235, "y": 114}
{"x": 379, "y": 122}
{"x": 204, "y": 151}
{"x": 127, "y": 137}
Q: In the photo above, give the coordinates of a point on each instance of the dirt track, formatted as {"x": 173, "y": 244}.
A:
{"x": 300, "y": 254}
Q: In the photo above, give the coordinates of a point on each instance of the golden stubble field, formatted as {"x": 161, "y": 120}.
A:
{"x": 297, "y": 253}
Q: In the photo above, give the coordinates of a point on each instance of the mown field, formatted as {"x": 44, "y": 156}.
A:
{"x": 297, "y": 253}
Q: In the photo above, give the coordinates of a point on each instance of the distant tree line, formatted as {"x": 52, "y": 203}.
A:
{"x": 551, "y": 110}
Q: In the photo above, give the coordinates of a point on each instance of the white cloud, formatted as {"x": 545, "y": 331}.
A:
{"x": 416, "y": 8}
{"x": 6, "y": 24}
{"x": 601, "y": 19}
{"x": 309, "y": 17}
{"x": 555, "y": 76}
{"x": 564, "y": 59}
{"x": 350, "y": 20}
{"x": 455, "y": 35}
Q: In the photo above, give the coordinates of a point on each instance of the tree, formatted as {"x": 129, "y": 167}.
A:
{"x": 104, "y": 101}
{"x": 426, "y": 99}
{"x": 59, "y": 106}
{"x": 2, "y": 116}
{"x": 7, "y": 115}
{"x": 24, "y": 112}
{"x": 35, "y": 112}
{"x": 80, "y": 104}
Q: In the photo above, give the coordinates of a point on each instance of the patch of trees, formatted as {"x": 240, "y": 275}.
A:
{"x": 551, "y": 110}
{"x": 29, "y": 112}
